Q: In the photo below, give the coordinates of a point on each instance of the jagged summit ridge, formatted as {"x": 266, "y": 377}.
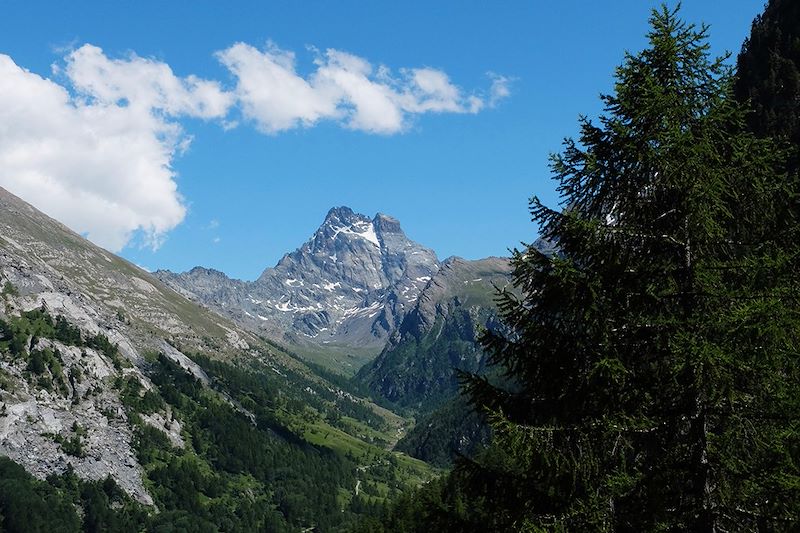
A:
{"x": 341, "y": 224}
{"x": 344, "y": 223}
{"x": 348, "y": 285}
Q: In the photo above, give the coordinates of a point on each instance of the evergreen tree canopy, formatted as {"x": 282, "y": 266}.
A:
{"x": 654, "y": 355}
{"x": 768, "y": 83}
{"x": 768, "y": 72}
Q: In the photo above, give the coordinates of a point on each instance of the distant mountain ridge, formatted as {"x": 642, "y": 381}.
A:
{"x": 439, "y": 334}
{"x": 348, "y": 286}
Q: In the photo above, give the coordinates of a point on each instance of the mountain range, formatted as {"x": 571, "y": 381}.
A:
{"x": 114, "y": 385}
{"x": 363, "y": 300}
{"x": 112, "y": 375}
{"x": 345, "y": 290}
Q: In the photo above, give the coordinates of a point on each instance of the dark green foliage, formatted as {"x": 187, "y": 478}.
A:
{"x": 352, "y": 385}
{"x": 137, "y": 399}
{"x": 768, "y": 72}
{"x": 67, "y": 333}
{"x": 30, "y": 506}
{"x": 101, "y": 343}
{"x": 38, "y": 323}
{"x": 9, "y": 289}
{"x": 654, "y": 358}
{"x": 768, "y": 83}
{"x": 36, "y": 362}
{"x": 440, "y": 505}
{"x": 12, "y": 339}
{"x": 180, "y": 521}
{"x": 106, "y": 508}
{"x": 245, "y": 465}
{"x": 47, "y": 366}
{"x": 72, "y": 445}
{"x": 451, "y": 430}
{"x": 258, "y": 385}
{"x": 236, "y": 473}
{"x": 20, "y": 333}
{"x": 239, "y": 473}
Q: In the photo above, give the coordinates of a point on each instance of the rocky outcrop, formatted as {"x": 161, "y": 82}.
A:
{"x": 34, "y": 420}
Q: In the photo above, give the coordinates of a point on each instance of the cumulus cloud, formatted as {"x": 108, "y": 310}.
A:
{"x": 269, "y": 90}
{"x": 343, "y": 88}
{"x": 143, "y": 84}
{"x": 99, "y": 157}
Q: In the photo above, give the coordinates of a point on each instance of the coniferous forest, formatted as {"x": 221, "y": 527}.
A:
{"x": 642, "y": 372}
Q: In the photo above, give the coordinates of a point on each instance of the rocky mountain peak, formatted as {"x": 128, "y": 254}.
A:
{"x": 342, "y": 226}
{"x": 207, "y": 272}
{"x": 348, "y": 285}
{"x": 341, "y": 215}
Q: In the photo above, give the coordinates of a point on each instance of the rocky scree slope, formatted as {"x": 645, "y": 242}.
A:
{"x": 348, "y": 286}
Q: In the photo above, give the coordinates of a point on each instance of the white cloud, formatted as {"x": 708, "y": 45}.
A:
{"x": 269, "y": 90}
{"x": 363, "y": 103}
{"x": 99, "y": 158}
{"x": 94, "y": 146}
{"x": 143, "y": 84}
{"x": 500, "y": 88}
{"x": 431, "y": 90}
{"x": 343, "y": 88}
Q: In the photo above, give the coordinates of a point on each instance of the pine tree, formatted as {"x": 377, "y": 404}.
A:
{"x": 653, "y": 358}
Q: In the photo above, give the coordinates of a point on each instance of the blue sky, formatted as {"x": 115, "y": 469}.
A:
{"x": 456, "y": 164}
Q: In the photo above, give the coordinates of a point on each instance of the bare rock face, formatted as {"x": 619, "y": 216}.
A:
{"x": 35, "y": 419}
{"x": 349, "y": 285}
